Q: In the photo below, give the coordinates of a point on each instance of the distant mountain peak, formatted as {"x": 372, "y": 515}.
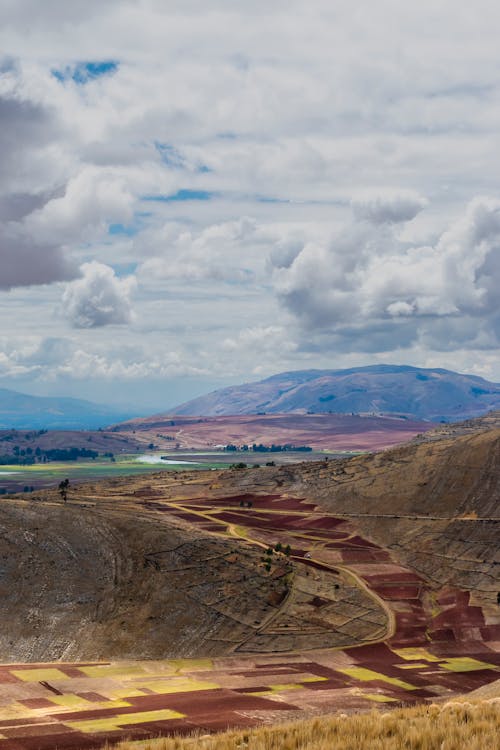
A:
{"x": 23, "y": 411}
{"x": 434, "y": 394}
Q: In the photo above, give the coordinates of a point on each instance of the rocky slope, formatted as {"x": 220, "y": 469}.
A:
{"x": 435, "y": 504}
{"x": 80, "y": 583}
{"x": 115, "y": 573}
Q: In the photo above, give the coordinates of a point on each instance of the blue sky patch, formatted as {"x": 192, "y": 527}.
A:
{"x": 122, "y": 229}
{"x": 83, "y": 72}
{"x": 270, "y": 199}
{"x": 173, "y": 158}
{"x": 170, "y": 155}
{"x": 124, "y": 269}
{"x": 182, "y": 195}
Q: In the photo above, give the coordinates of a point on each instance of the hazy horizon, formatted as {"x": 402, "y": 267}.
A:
{"x": 156, "y": 400}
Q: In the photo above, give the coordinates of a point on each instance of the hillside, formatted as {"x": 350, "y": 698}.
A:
{"x": 418, "y": 393}
{"x": 81, "y": 583}
{"x": 25, "y": 412}
{"x": 424, "y": 502}
{"x": 293, "y": 590}
{"x": 335, "y": 432}
{"x": 434, "y": 504}
{"x": 32, "y": 442}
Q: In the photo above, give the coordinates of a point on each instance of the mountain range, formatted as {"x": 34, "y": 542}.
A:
{"x": 25, "y": 412}
{"x": 414, "y": 392}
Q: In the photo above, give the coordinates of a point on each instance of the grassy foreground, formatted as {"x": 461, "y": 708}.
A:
{"x": 454, "y": 725}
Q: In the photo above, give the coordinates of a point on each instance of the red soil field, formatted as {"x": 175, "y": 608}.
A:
{"x": 336, "y": 432}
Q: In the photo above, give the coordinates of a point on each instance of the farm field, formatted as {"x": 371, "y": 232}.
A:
{"x": 14, "y": 478}
{"x": 332, "y": 432}
{"x": 194, "y": 443}
{"x": 336, "y": 621}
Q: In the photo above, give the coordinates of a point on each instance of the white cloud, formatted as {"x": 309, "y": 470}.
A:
{"x": 333, "y": 128}
{"x": 99, "y": 298}
{"x": 229, "y": 251}
{"x": 92, "y": 200}
{"x": 58, "y": 359}
{"x": 24, "y": 262}
{"x": 82, "y": 365}
{"x": 366, "y": 287}
{"x": 260, "y": 340}
{"x": 28, "y": 181}
{"x": 389, "y": 209}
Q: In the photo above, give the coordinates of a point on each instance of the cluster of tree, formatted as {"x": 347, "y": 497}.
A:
{"x": 28, "y": 456}
{"x": 268, "y": 558}
{"x": 261, "y": 448}
{"x": 63, "y": 489}
{"x": 26, "y": 488}
{"x": 69, "y": 454}
{"x": 241, "y": 465}
{"x": 22, "y": 460}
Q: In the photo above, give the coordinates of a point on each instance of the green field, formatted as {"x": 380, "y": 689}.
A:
{"x": 14, "y": 478}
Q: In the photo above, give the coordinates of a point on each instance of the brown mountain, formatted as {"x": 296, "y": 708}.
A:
{"x": 418, "y": 393}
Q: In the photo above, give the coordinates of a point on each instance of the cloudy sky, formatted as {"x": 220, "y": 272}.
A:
{"x": 200, "y": 193}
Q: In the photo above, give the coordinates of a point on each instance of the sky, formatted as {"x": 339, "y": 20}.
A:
{"x": 198, "y": 194}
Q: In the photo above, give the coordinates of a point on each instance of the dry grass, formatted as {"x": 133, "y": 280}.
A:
{"x": 456, "y": 725}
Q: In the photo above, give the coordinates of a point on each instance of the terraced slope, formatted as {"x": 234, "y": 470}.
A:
{"x": 80, "y": 583}
{"x": 306, "y": 589}
{"x": 111, "y": 573}
{"x": 448, "y": 477}
{"x": 120, "y": 578}
{"x": 436, "y": 505}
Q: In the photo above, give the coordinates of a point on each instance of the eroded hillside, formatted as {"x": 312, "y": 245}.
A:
{"x": 109, "y": 575}
{"x": 317, "y": 587}
{"x": 181, "y": 565}
{"x": 436, "y": 505}
{"x": 80, "y": 583}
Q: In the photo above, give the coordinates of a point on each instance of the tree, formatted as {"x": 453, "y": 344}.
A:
{"x": 63, "y": 489}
